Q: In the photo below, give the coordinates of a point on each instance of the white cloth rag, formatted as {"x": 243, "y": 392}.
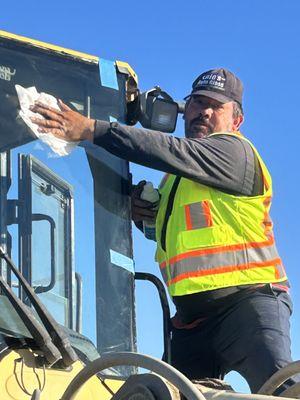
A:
{"x": 27, "y": 98}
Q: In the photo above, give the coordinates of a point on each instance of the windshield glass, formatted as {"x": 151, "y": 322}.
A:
{"x": 65, "y": 221}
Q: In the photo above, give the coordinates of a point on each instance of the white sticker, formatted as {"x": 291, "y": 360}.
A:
{"x": 6, "y": 73}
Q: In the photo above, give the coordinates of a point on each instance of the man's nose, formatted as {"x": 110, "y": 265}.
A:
{"x": 205, "y": 112}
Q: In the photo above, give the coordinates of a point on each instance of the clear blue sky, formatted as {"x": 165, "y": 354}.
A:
{"x": 169, "y": 43}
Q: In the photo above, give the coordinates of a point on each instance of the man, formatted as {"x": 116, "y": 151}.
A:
{"x": 215, "y": 243}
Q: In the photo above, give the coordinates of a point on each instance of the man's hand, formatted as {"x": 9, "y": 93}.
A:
{"x": 141, "y": 209}
{"x": 64, "y": 123}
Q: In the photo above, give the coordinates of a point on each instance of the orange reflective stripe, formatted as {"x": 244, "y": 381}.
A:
{"x": 267, "y": 222}
{"x": 266, "y": 184}
{"x": 223, "y": 270}
{"x": 188, "y": 219}
{"x": 220, "y": 249}
{"x": 280, "y": 271}
{"x": 207, "y": 213}
{"x": 197, "y": 215}
{"x": 211, "y": 261}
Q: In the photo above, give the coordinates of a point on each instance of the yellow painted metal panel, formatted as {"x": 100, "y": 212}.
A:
{"x": 125, "y": 65}
{"x": 16, "y": 379}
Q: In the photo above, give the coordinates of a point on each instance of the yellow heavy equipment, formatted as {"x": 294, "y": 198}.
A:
{"x": 67, "y": 321}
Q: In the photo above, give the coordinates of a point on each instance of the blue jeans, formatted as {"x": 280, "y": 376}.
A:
{"x": 251, "y": 336}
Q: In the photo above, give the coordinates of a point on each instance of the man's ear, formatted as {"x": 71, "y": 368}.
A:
{"x": 238, "y": 122}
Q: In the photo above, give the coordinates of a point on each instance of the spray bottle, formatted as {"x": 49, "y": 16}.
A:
{"x": 150, "y": 194}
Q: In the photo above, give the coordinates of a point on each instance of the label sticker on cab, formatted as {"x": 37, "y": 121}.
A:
{"x": 6, "y": 73}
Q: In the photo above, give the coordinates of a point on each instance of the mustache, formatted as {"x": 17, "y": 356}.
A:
{"x": 200, "y": 119}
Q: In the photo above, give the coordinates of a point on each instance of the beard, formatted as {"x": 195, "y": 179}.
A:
{"x": 199, "y": 128}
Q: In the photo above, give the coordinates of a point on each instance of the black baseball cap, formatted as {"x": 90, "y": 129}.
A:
{"x": 218, "y": 84}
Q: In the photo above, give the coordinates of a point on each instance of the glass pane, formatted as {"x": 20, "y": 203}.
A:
{"x": 100, "y": 223}
{"x": 52, "y": 203}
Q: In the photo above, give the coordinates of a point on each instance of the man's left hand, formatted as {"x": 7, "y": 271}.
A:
{"x": 64, "y": 123}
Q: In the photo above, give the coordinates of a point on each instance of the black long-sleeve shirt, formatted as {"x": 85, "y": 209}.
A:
{"x": 225, "y": 162}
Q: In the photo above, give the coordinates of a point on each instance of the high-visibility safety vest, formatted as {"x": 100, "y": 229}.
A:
{"x": 208, "y": 239}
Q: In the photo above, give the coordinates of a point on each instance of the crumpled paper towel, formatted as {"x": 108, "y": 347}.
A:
{"x": 27, "y": 98}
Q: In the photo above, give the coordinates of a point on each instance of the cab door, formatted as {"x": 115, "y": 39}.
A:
{"x": 46, "y": 236}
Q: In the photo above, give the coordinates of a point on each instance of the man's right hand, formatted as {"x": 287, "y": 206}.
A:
{"x": 141, "y": 209}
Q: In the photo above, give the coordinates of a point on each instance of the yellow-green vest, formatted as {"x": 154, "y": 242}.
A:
{"x": 211, "y": 240}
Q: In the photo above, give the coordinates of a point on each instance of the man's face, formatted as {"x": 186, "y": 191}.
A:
{"x": 204, "y": 116}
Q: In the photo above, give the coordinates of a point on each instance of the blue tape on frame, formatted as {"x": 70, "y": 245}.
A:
{"x": 108, "y": 74}
{"x": 112, "y": 119}
{"x": 121, "y": 261}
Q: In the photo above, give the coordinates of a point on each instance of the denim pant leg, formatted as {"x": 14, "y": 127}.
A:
{"x": 254, "y": 337}
{"x": 192, "y": 352}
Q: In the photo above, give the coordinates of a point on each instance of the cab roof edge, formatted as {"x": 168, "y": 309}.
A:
{"x": 48, "y": 46}
{"x": 121, "y": 65}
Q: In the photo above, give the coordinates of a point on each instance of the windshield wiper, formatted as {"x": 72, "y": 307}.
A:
{"x": 42, "y": 338}
{"x": 58, "y": 336}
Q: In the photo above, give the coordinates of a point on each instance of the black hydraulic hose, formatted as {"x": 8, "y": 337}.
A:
{"x": 279, "y": 377}
{"x": 182, "y": 383}
{"x": 42, "y": 338}
{"x": 58, "y": 336}
{"x": 165, "y": 309}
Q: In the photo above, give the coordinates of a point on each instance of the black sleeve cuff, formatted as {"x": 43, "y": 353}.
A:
{"x": 101, "y": 128}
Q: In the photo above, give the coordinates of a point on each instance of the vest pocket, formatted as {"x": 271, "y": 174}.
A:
{"x": 198, "y": 215}
{"x": 206, "y": 237}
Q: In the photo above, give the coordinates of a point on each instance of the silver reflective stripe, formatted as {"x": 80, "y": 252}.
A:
{"x": 281, "y": 271}
{"x": 164, "y": 274}
{"x": 197, "y": 216}
{"x": 224, "y": 259}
